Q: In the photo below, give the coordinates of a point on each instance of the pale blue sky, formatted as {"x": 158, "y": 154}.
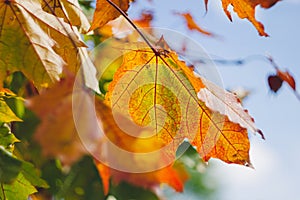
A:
{"x": 276, "y": 160}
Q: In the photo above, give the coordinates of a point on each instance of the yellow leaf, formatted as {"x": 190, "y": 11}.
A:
{"x": 25, "y": 51}
{"x": 6, "y": 114}
{"x": 35, "y": 35}
{"x": 72, "y": 49}
{"x": 66, "y": 35}
{"x": 246, "y": 9}
{"x": 105, "y": 12}
{"x": 69, "y": 10}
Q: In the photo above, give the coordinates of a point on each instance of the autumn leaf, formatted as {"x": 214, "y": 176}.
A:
{"x": 169, "y": 100}
{"x": 57, "y": 133}
{"x": 246, "y": 9}
{"x": 175, "y": 177}
{"x": 73, "y": 52}
{"x": 26, "y": 51}
{"x": 228, "y": 104}
{"x": 66, "y": 36}
{"x": 36, "y": 60}
{"x": 192, "y": 25}
{"x": 69, "y": 10}
{"x": 50, "y": 23}
{"x": 274, "y": 82}
{"x": 287, "y": 77}
{"x": 105, "y": 12}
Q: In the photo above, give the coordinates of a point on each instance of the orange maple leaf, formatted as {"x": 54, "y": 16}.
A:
{"x": 158, "y": 91}
{"x": 105, "y": 12}
{"x": 246, "y": 9}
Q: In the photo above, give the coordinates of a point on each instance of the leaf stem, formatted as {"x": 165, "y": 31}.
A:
{"x": 134, "y": 26}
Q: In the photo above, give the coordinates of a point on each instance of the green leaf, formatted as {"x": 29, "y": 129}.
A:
{"x": 30, "y": 173}
{"x": 17, "y": 106}
{"x": 7, "y": 139}
{"x": 10, "y": 166}
{"x": 20, "y": 189}
{"x": 125, "y": 191}
{"x": 82, "y": 182}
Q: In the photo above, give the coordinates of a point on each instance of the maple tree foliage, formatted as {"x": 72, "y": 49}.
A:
{"x": 246, "y": 9}
{"x": 151, "y": 90}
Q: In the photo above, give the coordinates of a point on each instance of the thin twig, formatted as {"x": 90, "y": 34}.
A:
{"x": 242, "y": 61}
{"x": 134, "y": 26}
{"x": 297, "y": 95}
{"x": 276, "y": 67}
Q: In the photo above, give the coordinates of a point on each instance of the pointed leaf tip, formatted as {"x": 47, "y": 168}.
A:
{"x": 249, "y": 164}
{"x": 246, "y": 9}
